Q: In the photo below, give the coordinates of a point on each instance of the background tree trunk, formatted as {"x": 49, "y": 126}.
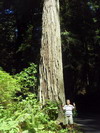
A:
{"x": 51, "y": 70}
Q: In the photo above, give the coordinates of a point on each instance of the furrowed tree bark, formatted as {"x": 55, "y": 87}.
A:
{"x": 51, "y": 68}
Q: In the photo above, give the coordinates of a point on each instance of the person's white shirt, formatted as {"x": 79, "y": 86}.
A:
{"x": 68, "y": 109}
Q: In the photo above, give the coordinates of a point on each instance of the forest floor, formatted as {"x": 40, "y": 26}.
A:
{"x": 89, "y": 123}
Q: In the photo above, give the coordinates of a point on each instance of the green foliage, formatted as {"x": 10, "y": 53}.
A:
{"x": 70, "y": 38}
{"x": 8, "y": 87}
{"x": 27, "y": 41}
{"x": 52, "y": 126}
{"x": 80, "y": 41}
{"x": 25, "y": 115}
{"x": 75, "y": 113}
{"x": 27, "y": 78}
{"x": 51, "y": 109}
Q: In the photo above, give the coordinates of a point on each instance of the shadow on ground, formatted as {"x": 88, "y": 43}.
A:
{"x": 89, "y": 123}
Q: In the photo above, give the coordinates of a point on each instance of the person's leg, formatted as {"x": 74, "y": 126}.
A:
{"x": 71, "y": 120}
{"x": 66, "y": 121}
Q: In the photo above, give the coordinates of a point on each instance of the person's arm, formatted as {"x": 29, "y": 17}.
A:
{"x": 74, "y": 106}
{"x": 63, "y": 107}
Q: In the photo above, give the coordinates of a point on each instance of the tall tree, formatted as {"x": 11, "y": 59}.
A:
{"x": 51, "y": 69}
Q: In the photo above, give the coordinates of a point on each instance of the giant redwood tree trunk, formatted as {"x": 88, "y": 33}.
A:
{"x": 51, "y": 70}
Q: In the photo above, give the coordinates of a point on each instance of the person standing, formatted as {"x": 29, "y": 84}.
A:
{"x": 68, "y": 108}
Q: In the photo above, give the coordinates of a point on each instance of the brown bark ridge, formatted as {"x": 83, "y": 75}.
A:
{"x": 51, "y": 68}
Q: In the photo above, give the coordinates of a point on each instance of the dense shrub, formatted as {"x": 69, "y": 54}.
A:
{"x": 8, "y": 87}
{"x": 28, "y": 79}
{"x": 25, "y": 115}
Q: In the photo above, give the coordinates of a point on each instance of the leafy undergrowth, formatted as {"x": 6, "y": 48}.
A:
{"x": 24, "y": 113}
{"x": 27, "y": 116}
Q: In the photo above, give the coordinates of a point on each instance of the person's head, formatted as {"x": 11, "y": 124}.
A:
{"x": 68, "y": 101}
